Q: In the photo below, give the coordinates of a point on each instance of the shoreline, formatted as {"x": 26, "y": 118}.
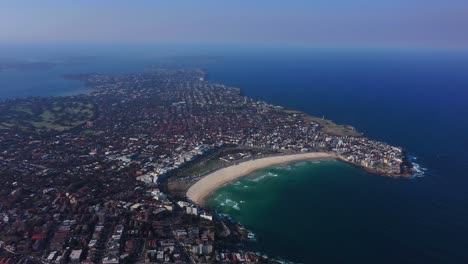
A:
{"x": 199, "y": 191}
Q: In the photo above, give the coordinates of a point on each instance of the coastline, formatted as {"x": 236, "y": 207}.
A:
{"x": 199, "y": 191}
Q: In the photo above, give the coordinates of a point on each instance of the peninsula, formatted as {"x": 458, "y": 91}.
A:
{"x": 117, "y": 175}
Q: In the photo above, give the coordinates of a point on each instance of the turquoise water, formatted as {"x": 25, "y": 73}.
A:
{"x": 331, "y": 212}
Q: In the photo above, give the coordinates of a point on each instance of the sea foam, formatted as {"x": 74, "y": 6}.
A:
{"x": 420, "y": 171}
{"x": 267, "y": 175}
{"x": 230, "y": 203}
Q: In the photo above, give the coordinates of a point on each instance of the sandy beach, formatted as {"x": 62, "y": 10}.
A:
{"x": 208, "y": 184}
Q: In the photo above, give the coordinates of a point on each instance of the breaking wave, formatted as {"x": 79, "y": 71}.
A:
{"x": 218, "y": 197}
{"x": 300, "y": 163}
{"x": 420, "y": 171}
{"x": 267, "y": 175}
{"x": 283, "y": 167}
{"x": 230, "y": 203}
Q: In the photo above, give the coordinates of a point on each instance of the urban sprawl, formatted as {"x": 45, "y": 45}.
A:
{"x": 100, "y": 177}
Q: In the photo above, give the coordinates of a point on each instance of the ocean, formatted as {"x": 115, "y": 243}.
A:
{"x": 322, "y": 212}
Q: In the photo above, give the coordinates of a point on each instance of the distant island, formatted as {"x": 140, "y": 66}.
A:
{"x": 104, "y": 176}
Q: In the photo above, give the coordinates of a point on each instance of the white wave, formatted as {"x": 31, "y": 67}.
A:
{"x": 231, "y": 203}
{"x": 300, "y": 163}
{"x": 218, "y": 198}
{"x": 269, "y": 174}
{"x": 419, "y": 170}
{"x": 283, "y": 167}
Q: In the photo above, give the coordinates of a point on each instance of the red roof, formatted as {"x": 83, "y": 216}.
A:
{"x": 38, "y": 236}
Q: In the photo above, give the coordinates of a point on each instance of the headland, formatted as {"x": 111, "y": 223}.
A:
{"x": 124, "y": 156}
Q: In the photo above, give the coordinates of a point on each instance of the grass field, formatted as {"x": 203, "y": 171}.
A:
{"x": 329, "y": 126}
{"x": 202, "y": 167}
{"x": 45, "y": 115}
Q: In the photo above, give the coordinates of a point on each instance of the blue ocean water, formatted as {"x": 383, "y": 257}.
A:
{"x": 410, "y": 99}
{"x": 414, "y": 99}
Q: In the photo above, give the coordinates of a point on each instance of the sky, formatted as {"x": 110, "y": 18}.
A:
{"x": 387, "y": 23}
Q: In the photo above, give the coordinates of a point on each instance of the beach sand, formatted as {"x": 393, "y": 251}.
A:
{"x": 211, "y": 182}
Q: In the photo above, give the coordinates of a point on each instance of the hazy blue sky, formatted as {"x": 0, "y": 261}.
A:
{"x": 420, "y": 23}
